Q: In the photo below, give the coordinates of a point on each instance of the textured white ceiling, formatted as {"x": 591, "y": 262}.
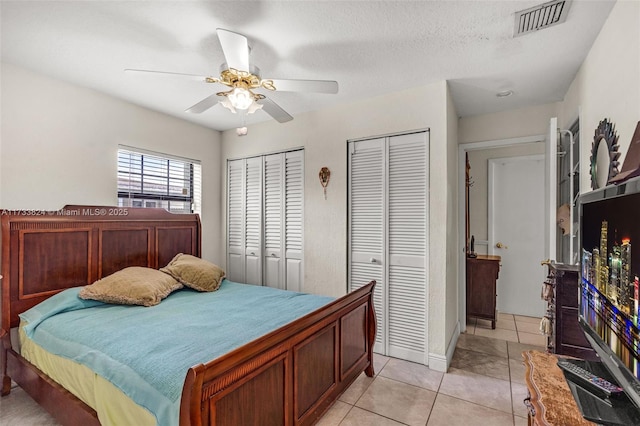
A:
{"x": 369, "y": 47}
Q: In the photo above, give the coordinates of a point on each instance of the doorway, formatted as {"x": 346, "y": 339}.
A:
{"x": 479, "y": 155}
{"x": 516, "y": 195}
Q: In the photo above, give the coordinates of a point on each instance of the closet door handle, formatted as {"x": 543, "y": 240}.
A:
{"x": 372, "y": 260}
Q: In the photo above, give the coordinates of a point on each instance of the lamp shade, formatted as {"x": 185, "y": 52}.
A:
{"x": 240, "y": 98}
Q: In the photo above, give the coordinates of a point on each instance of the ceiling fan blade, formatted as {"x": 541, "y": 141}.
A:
{"x": 274, "y": 110}
{"x": 315, "y": 86}
{"x": 176, "y": 74}
{"x": 203, "y": 105}
{"x": 235, "y": 48}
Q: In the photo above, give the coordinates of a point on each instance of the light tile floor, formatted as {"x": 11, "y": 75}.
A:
{"x": 484, "y": 385}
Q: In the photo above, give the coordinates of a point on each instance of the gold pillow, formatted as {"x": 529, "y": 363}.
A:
{"x": 194, "y": 272}
{"x": 134, "y": 285}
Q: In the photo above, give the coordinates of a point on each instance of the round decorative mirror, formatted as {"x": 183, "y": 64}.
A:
{"x": 604, "y": 155}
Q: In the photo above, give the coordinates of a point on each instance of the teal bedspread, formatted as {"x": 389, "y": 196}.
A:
{"x": 146, "y": 351}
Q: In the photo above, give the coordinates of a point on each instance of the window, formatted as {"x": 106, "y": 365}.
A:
{"x": 149, "y": 179}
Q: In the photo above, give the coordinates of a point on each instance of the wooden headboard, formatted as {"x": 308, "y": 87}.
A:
{"x": 44, "y": 252}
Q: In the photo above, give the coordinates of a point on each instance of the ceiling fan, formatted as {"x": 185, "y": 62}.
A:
{"x": 243, "y": 78}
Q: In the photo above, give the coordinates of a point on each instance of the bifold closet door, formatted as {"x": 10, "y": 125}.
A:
{"x": 283, "y": 200}
{"x": 367, "y": 225}
{"x": 293, "y": 224}
{"x": 244, "y": 220}
{"x": 265, "y": 220}
{"x": 274, "y": 189}
{"x": 235, "y": 220}
{"x": 407, "y": 214}
{"x": 388, "y": 237}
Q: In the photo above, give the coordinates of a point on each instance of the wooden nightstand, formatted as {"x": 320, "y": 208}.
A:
{"x": 482, "y": 274}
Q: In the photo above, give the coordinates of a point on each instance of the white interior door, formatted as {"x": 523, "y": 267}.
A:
{"x": 516, "y": 232}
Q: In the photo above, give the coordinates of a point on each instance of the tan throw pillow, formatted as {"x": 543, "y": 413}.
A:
{"x": 132, "y": 286}
{"x": 194, "y": 272}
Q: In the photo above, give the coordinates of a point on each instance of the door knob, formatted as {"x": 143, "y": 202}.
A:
{"x": 500, "y": 245}
{"x": 372, "y": 260}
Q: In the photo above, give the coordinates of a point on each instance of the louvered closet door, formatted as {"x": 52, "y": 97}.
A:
{"x": 274, "y": 190}
{"x": 388, "y": 235}
{"x": 265, "y": 220}
{"x": 407, "y": 245}
{"x": 253, "y": 221}
{"x": 235, "y": 221}
{"x": 367, "y": 225}
{"x": 283, "y": 199}
{"x": 293, "y": 214}
{"x": 244, "y": 220}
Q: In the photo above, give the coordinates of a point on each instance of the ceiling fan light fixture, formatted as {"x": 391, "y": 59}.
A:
{"x": 254, "y": 107}
{"x": 240, "y": 98}
{"x": 241, "y": 78}
{"x": 225, "y": 103}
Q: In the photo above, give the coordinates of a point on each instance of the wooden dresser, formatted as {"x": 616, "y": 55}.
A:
{"x": 482, "y": 274}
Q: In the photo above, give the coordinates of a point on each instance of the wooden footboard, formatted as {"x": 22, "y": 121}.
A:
{"x": 290, "y": 376}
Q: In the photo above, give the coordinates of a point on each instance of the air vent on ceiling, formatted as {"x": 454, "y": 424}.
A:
{"x": 542, "y": 16}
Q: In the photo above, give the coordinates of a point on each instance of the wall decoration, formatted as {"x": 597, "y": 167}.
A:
{"x": 324, "y": 176}
{"x": 631, "y": 165}
{"x": 604, "y": 155}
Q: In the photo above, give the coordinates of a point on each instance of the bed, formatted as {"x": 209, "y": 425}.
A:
{"x": 290, "y": 375}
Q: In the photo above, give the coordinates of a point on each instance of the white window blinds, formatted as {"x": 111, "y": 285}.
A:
{"x": 148, "y": 179}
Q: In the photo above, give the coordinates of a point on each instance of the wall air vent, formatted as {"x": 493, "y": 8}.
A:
{"x": 540, "y": 17}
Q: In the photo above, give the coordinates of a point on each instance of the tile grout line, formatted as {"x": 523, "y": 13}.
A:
{"x": 510, "y": 376}
{"x": 476, "y": 404}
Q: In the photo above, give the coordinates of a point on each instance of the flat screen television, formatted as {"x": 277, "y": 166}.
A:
{"x": 609, "y": 299}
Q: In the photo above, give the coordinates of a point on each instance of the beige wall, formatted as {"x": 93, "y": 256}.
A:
{"x": 324, "y": 135}
{"x": 59, "y": 144}
{"x": 607, "y": 84}
{"x": 452, "y": 238}
{"x": 507, "y": 124}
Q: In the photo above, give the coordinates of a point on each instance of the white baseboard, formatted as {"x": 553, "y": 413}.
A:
{"x": 441, "y": 363}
